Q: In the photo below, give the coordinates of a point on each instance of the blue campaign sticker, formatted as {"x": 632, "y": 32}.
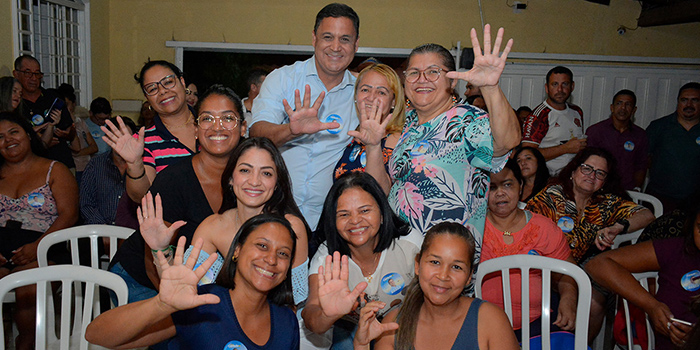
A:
{"x": 420, "y": 148}
{"x": 36, "y": 200}
{"x": 355, "y": 152}
{"x": 392, "y": 283}
{"x": 691, "y": 281}
{"x": 566, "y": 224}
{"x": 235, "y": 344}
{"x": 37, "y": 119}
{"x": 629, "y": 146}
{"x": 363, "y": 159}
{"x": 334, "y": 118}
{"x": 533, "y": 252}
{"x": 697, "y": 140}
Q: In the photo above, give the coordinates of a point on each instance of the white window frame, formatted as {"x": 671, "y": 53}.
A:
{"x": 54, "y": 78}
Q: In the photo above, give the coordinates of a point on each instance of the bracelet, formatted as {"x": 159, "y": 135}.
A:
{"x": 168, "y": 252}
{"x": 625, "y": 225}
{"x": 137, "y": 177}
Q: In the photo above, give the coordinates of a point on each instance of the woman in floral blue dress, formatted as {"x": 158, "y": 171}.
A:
{"x": 439, "y": 168}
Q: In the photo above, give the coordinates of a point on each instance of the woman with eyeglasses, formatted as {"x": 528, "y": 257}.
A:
{"x": 439, "y": 168}
{"x": 170, "y": 139}
{"x": 190, "y": 190}
{"x": 588, "y": 203}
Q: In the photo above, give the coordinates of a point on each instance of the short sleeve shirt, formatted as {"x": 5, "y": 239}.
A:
{"x": 388, "y": 283}
{"x": 440, "y": 170}
{"x": 548, "y": 127}
{"x": 629, "y": 148}
{"x": 161, "y": 148}
{"x": 602, "y": 211}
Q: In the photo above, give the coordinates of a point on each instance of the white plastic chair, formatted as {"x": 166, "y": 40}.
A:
{"x": 643, "y": 278}
{"x": 525, "y": 263}
{"x": 72, "y": 234}
{"x": 71, "y": 310}
{"x": 639, "y": 198}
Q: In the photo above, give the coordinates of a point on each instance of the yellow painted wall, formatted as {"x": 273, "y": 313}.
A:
{"x": 6, "y": 55}
{"x": 126, "y": 32}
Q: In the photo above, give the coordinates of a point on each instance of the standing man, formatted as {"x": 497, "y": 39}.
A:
{"x": 624, "y": 140}
{"x": 100, "y": 111}
{"x": 312, "y": 137}
{"x": 556, "y": 126}
{"x": 674, "y": 149}
{"x": 37, "y": 103}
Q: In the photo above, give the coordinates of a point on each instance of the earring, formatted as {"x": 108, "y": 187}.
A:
{"x": 149, "y": 108}
{"x": 188, "y": 91}
{"x": 235, "y": 259}
{"x": 391, "y": 110}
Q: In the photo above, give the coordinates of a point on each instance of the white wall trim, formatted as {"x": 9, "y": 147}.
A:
{"x": 15, "y": 31}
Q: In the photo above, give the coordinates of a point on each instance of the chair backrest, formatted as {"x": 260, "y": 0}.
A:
{"x": 525, "y": 263}
{"x": 92, "y": 232}
{"x": 644, "y": 278}
{"x": 641, "y": 198}
{"x": 66, "y": 275}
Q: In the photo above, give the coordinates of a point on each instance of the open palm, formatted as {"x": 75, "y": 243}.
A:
{"x": 335, "y": 297}
{"x": 488, "y": 66}
{"x": 153, "y": 229}
{"x": 178, "y": 283}
{"x": 122, "y": 142}
{"x": 303, "y": 119}
{"x": 372, "y": 127}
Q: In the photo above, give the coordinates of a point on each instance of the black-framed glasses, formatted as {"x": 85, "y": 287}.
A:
{"x": 28, "y": 74}
{"x": 431, "y": 74}
{"x": 168, "y": 82}
{"x": 588, "y": 170}
{"x": 207, "y": 121}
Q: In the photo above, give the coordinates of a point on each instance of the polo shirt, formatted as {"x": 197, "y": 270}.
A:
{"x": 629, "y": 148}
{"x": 161, "y": 148}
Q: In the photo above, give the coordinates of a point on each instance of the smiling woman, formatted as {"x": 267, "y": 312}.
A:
{"x": 248, "y": 308}
{"x": 358, "y": 223}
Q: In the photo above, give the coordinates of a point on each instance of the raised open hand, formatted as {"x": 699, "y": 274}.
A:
{"x": 369, "y": 328}
{"x": 122, "y": 142}
{"x": 178, "y": 283}
{"x": 303, "y": 119}
{"x": 488, "y": 66}
{"x": 334, "y": 295}
{"x": 372, "y": 127}
{"x": 153, "y": 229}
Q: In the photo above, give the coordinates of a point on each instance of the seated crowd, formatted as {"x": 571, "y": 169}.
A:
{"x": 351, "y": 209}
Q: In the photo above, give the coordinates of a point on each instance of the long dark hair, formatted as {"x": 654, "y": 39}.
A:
{"x": 412, "y": 303}
{"x": 282, "y": 201}
{"x": 542, "y": 173}
{"x": 688, "y": 230}
{"x": 391, "y": 227}
{"x": 612, "y": 184}
{"x": 34, "y": 141}
{"x": 280, "y": 295}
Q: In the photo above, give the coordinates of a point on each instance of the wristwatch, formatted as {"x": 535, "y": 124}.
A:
{"x": 626, "y": 225}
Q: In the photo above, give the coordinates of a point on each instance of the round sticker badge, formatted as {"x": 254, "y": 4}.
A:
{"x": 629, "y": 146}
{"x": 697, "y": 140}
{"x": 334, "y": 118}
{"x": 37, "y": 119}
{"x": 235, "y": 344}
{"x": 36, "y": 200}
{"x": 691, "y": 281}
{"x": 392, "y": 283}
{"x": 566, "y": 224}
{"x": 363, "y": 159}
{"x": 533, "y": 252}
{"x": 355, "y": 151}
{"x": 420, "y": 149}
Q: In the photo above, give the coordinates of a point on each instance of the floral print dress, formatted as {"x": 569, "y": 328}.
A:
{"x": 440, "y": 170}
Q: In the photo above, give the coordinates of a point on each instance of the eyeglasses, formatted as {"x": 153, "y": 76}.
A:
{"x": 29, "y": 74}
{"x": 588, "y": 170}
{"x": 167, "y": 83}
{"x": 431, "y": 74}
{"x": 207, "y": 121}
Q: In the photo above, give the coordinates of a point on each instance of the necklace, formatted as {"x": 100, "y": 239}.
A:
{"x": 187, "y": 122}
{"x": 374, "y": 266}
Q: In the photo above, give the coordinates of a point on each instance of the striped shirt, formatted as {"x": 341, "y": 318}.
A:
{"x": 161, "y": 148}
{"x": 101, "y": 187}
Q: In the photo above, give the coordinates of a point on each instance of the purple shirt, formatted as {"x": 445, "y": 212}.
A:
{"x": 679, "y": 281}
{"x": 629, "y": 148}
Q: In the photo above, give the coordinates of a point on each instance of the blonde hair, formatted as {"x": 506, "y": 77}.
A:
{"x": 398, "y": 115}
